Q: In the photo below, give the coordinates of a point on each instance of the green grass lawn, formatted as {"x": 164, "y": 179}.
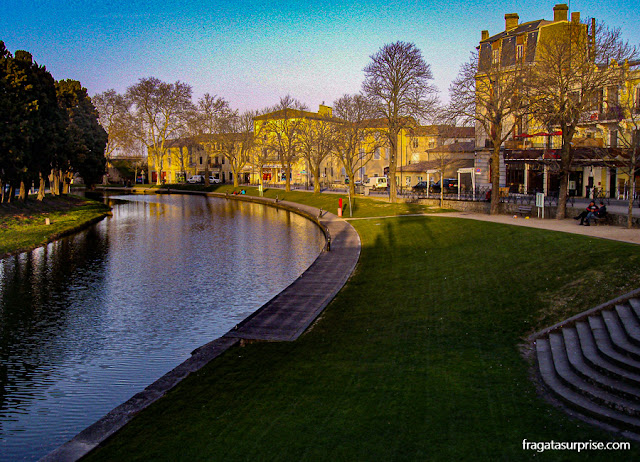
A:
{"x": 22, "y": 225}
{"x": 417, "y": 358}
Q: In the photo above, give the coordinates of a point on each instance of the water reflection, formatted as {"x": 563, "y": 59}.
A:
{"x": 88, "y": 321}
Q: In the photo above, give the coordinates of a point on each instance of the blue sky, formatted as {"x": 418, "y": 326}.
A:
{"x": 254, "y": 52}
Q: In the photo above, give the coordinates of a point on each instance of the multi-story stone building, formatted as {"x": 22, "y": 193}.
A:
{"x": 604, "y": 135}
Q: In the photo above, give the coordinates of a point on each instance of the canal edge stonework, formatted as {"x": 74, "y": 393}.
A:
{"x": 280, "y": 319}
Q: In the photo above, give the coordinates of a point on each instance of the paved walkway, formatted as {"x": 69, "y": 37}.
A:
{"x": 568, "y": 225}
{"x": 288, "y": 314}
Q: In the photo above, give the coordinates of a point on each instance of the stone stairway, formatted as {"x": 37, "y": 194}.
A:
{"x": 591, "y": 363}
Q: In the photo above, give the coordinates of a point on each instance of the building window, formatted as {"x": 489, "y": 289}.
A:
{"x": 613, "y": 139}
{"x": 408, "y": 181}
{"x": 200, "y": 160}
{"x": 361, "y": 153}
{"x": 415, "y": 143}
{"x": 222, "y": 161}
{"x": 496, "y": 56}
{"x": 376, "y": 154}
{"x": 519, "y": 52}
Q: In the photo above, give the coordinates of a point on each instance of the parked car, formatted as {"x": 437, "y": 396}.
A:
{"x": 377, "y": 182}
{"x": 213, "y": 180}
{"x": 450, "y": 186}
{"x": 195, "y": 179}
{"x": 421, "y": 186}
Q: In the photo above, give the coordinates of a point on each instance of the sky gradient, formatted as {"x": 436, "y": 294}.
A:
{"x": 254, "y": 52}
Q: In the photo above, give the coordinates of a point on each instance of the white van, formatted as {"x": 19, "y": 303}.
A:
{"x": 376, "y": 182}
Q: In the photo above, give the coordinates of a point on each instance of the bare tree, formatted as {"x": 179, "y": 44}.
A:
{"x": 625, "y": 115}
{"x": 353, "y": 129}
{"x": 206, "y": 120}
{"x": 113, "y": 108}
{"x": 235, "y": 139}
{"x": 443, "y": 161}
{"x": 574, "y": 64}
{"x": 397, "y": 81}
{"x": 317, "y": 138}
{"x": 157, "y": 114}
{"x": 491, "y": 96}
{"x": 279, "y": 132}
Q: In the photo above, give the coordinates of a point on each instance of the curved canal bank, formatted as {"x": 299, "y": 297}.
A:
{"x": 284, "y": 318}
{"x": 158, "y": 282}
{"x": 24, "y": 228}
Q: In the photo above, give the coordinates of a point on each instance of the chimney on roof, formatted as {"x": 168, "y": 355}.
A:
{"x": 485, "y": 35}
{"x": 511, "y": 21}
{"x": 575, "y": 17}
{"x": 560, "y": 12}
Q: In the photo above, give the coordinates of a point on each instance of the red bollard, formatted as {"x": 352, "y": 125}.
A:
{"x": 340, "y": 207}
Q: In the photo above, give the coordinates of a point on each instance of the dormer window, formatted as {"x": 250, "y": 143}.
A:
{"x": 496, "y": 56}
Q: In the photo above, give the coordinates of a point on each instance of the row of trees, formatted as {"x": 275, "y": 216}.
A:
{"x": 396, "y": 91}
{"x": 572, "y": 67}
{"x": 555, "y": 90}
{"x": 50, "y": 129}
{"x": 152, "y": 114}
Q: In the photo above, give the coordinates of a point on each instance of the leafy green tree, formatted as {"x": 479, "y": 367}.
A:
{"x": 31, "y": 121}
{"x": 86, "y": 139}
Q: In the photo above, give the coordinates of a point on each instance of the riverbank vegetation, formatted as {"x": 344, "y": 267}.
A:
{"x": 417, "y": 358}
{"x": 50, "y": 130}
{"x": 23, "y": 224}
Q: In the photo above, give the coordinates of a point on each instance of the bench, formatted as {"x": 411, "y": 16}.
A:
{"x": 524, "y": 210}
{"x": 607, "y": 219}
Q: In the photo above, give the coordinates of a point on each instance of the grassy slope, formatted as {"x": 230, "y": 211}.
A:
{"x": 22, "y": 225}
{"x": 416, "y": 359}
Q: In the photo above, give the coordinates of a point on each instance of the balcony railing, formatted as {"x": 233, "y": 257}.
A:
{"x": 613, "y": 114}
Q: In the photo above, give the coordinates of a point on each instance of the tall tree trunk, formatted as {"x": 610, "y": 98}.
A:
{"x": 22, "y": 195}
{"x": 1, "y": 192}
{"x": 65, "y": 179}
{"x": 41, "y": 188}
{"x": 393, "y": 164}
{"x": 234, "y": 170}
{"x": 495, "y": 179}
{"x": 12, "y": 192}
{"x": 54, "y": 183}
{"x": 315, "y": 171}
{"x": 632, "y": 183}
{"x": 287, "y": 184}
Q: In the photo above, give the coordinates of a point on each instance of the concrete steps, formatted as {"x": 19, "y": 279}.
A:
{"x": 592, "y": 363}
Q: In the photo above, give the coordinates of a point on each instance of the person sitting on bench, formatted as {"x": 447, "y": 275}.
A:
{"x": 600, "y": 213}
{"x": 592, "y": 207}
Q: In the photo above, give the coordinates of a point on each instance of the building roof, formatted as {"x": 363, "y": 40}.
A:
{"x": 520, "y": 29}
{"x": 423, "y": 166}
{"x": 294, "y": 114}
{"x": 464, "y": 146}
{"x": 445, "y": 131}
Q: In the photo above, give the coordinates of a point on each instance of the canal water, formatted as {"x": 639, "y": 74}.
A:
{"x": 90, "y": 320}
